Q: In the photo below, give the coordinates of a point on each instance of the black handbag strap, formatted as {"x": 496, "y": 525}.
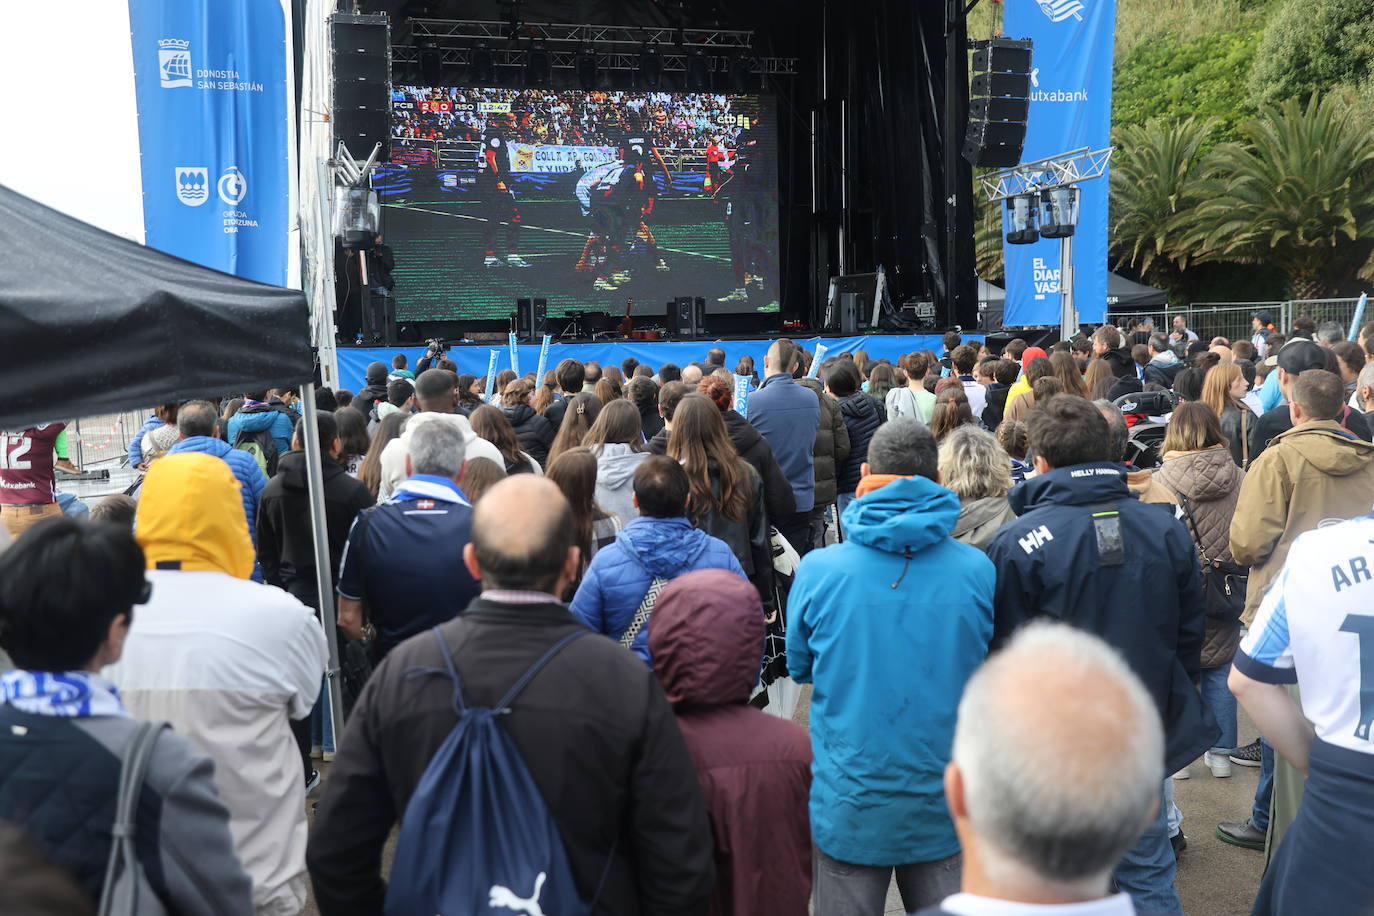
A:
{"x": 1187, "y": 505}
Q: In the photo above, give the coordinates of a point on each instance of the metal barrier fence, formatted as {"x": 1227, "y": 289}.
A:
{"x": 1232, "y": 319}
{"x": 102, "y": 439}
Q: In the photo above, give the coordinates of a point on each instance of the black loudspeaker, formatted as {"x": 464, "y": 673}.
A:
{"x": 1001, "y": 88}
{"x": 361, "y": 108}
{"x": 849, "y": 313}
{"x": 531, "y": 319}
{"x": 699, "y": 315}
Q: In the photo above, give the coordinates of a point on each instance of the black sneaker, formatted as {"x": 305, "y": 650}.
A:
{"x": 1248, "y": 756}
{"x": 1245, "y": 835}
{"x": 1179, "y": 842}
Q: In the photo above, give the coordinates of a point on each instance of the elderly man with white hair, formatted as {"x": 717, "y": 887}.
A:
{"x": 1041, "y": 838}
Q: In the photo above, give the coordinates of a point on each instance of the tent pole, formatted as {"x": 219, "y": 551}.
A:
{"x": 324, "y": 577}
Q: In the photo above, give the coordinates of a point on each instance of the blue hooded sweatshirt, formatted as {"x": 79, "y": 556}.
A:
{"x": 888, "y": 626}
{"x": 619, "y": 575}
{"x": 277, "y": 422}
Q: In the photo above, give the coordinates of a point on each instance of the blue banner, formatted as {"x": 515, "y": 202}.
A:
{"x": 210, "y": 79}
{"x": 515, "y": 356}
{"x": 742, "y": 395}
{"x": 543, "y": 360}
{"x": 491, "y": 374}
{"x": 1070, "y": 108}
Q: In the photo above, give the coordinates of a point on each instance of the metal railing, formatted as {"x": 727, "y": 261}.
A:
{"x": 1232, "y": 320}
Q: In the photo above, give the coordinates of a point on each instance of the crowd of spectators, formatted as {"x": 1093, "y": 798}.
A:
{"x": 1027, "y": 590}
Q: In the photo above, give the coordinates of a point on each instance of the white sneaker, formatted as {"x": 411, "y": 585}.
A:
{"x": 1182, "y": 774}
{"x": 492, "y": 261}
{"x": 1219, "y": 764}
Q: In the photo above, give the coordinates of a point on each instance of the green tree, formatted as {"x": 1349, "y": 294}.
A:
{"x": 1312, "y": 45}
{"x": 1297, "y": 195}
{"x": 1204, "y": 78}
{"x": 1154, "y": 176}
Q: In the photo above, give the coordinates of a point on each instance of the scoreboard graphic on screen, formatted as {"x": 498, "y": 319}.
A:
{"x": 587, "y": 199}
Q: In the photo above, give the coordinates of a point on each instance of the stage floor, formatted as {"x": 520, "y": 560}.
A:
{"x": 474, "y": 359}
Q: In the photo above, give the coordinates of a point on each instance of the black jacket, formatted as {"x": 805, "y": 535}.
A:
{"x": 534, "y": 432}
{"x": 753, "y": 448}
{"x": 1280, "y": 419}
{"x": 747, "y": 537}
{"x": 286, "y": 548}
{"x": 832, "y": 443}
{"x": 996, "y": 405}
{"x": 365, "y": 400}
{"x": 650, "y": 421}
{"x": 1148, "y": 606}
{"x": 1236, "y": 424}
{"x": 594, "y": 729}
{"x": 862, "y": 414}
{"x": 658, "y": 444}
{"x": 554, "y": 413}
{"x": 1121, "y": 362}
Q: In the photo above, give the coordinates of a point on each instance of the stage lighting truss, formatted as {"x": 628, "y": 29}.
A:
{"x": 1032, "y": 178}
{"x": 611, "y": 48}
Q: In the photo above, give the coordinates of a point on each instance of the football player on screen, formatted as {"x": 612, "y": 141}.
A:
{"x": 495, "y": 193}
{"x": 745, "y": 191}
{"x": 641, "y": 157}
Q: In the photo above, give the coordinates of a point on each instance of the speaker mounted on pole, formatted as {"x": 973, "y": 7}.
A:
{"x": 1000, "y": 90}
{"x": 361, "y": 96}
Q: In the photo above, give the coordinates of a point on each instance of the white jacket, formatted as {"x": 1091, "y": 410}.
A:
{"x": 394, "y": 456}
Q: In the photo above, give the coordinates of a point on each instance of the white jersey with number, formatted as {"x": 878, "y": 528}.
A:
{"x": 1316, "y": 627}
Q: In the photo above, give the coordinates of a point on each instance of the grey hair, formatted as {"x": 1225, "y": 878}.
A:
{"x": 1116, "y": 427}
{"x": 904, "y": 446}
{"x": 1365, "y": 379}
{"x": 973, "y": 464}
{"x": 1330, "y": 332}
{"x": 1089, "y": 755}
{"x": 1158, "y": 342}
{"x": 437, "y": 447}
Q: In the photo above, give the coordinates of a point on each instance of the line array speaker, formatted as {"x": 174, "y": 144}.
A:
{"x": 361, "y": 107}
{"x": 1000, "y": 87}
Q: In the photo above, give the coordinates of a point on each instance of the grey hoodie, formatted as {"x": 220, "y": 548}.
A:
{"x": 980, "y": 519}
{"x": 615, "y": 470}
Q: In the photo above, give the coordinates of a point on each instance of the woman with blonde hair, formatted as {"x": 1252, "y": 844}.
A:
{"x": 1222, "y": 390}
{"x": 976, "y": 467}
{"x": 534, "y": 432}
{"x": 1199, "y": 471}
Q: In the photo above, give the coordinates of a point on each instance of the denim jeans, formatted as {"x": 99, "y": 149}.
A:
{"x": 841, "y": 503}
{"x": 1264, "y": 791}
{"x": 1173, "y": 815}
{"x": 321, "y": 725}
{"x": 1217, "y": 697}
{"x": 1147, "y": 871}
{"x": 842, "y": 889}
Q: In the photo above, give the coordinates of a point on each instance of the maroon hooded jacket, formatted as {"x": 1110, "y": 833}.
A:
{"x": 706, "y": 638}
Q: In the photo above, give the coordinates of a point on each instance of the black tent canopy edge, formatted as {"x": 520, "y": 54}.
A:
{"x": 93, "y": 323}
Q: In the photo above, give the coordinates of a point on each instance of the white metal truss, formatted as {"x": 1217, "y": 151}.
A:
{"x": 1071, "y": 168}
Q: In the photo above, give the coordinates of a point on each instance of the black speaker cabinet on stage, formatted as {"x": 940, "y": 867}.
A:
{"x": 849, "y": 313}
{"x": 531, "y": 318}
{"x": 1000, "y": 91}
{"x": 361, "y": 109}
{"x": 686, "y": 316}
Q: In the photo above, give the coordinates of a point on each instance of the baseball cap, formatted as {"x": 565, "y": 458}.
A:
{"x": 1264, "y": 316}
{"x": 376, "y": 372}
{"x": 1301, "y": 355}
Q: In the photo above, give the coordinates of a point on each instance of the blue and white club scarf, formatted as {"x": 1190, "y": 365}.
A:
{"x": 71, "y": 694}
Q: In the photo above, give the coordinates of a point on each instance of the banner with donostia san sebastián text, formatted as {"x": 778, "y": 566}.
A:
{"x": 211, "y": 78}
{"x": 1070, "y": 108}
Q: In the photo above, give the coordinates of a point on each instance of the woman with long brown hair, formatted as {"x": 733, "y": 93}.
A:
{"x": 952, "y": 411}
{"x": 617, "y": 441}
{"x": 593, "y": 527}
{"x": 582, "y": 410}
{"x": 608, "y": 390}
{"x": 534, "y": 432}
{"x": 1099, "y": 371}
{"x": 1222, "y": 390}
{"x": 491, "y": 424}
{"x": 370, "y": 471}
{"x": 544, "y": 394}
{"x": 1066, "y": 370}
{"x": 725, "y": 493}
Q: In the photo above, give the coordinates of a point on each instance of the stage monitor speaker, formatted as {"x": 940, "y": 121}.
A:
{"x": 361, "y": 104}
{"x": 1000, "y": 88}
{"x": 682, "y": 316}
{"x": 531, "y": 318}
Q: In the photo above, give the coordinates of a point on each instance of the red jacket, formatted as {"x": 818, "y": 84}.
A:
{"x": 706, "y": 638}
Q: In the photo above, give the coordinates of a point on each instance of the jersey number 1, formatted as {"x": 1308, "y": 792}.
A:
{"x": 1362, "y": 625}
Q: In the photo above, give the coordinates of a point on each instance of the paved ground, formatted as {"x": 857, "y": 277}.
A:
{"x": 1214, "y": 879}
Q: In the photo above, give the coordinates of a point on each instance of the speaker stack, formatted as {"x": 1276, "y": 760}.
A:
{"x": 1000, "y": 91}
{"x": 531, "y": 319}
{"x": 687, "y": 316}
{"x": 361, "y": 109}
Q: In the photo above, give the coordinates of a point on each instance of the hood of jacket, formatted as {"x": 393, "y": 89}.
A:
{"x": 291, "y": 469}
{"x": 662, "y": 546}
{"x": 1328, "y": 447}
{"x": 518, "y": 414}
{"x": 1167, "y": 358}
{"x": 209, "y": 445}
{"x": 1203, "y": 476}
{"x": 255, "y": 421}
{"x": 990, "y": 510}
{"x": 1120, "y": 360}
{"x": 206, "y": 532}
{"x": 1075, "y": 485}
{"x": 905, "y": 516}
{"x": 859, "y": 406}
{"x": 616, "y": 463}
{"x": 707, "y": 639}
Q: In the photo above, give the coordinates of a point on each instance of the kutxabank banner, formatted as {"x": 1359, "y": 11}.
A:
{"x": 211, "y": 79}
{"x": 1070, "y": 108}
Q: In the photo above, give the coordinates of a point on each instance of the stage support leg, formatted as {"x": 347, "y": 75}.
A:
{"x": 1068, "y": 312}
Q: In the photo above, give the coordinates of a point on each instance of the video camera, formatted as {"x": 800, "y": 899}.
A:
{"x": 438, "y": 346}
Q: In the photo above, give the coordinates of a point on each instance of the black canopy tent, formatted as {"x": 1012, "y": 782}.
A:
{"x": 1127, "y": 294}
{"x": 93, "y": 323}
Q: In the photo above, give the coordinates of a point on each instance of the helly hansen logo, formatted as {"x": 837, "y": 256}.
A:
{"x": 1034, "y": 540}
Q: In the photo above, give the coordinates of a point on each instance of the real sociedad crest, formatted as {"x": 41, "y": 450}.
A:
{"x": 174, "y": 62}
{"x": 1059, "y": 10}
{"x": 193, "y": 185}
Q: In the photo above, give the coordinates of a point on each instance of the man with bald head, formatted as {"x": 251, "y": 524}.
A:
{"x": 593, "y": 728}
{"x": 691, "y": 376}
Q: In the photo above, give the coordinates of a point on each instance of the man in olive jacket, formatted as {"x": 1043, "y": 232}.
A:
{"x": 1314, "y": 473}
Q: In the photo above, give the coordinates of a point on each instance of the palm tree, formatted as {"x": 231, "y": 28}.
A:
{"x": 987, "y": 237}
{"x": 1298, "y": 194}
{"x": 1154, "y": 182}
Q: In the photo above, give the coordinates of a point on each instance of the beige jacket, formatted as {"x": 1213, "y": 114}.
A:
{"x": 1312, "y": 475}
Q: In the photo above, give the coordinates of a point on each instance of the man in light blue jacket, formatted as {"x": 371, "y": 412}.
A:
{"x": 888, "y": 626}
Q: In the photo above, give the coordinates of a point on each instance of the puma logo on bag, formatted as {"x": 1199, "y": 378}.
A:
{"x": 507, "y": 898}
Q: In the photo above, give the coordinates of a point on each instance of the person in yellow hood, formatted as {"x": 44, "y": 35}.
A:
{"x": 227, "y": 661}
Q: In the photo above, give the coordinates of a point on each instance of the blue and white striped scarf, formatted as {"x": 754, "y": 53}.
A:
{"x": 71, "y": 694}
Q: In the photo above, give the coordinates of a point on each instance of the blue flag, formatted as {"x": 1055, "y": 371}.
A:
{"x": 514, "y": 354}
{"x": 491, "y": 374}
{"x": 543, "y": 360}
{"x": 742, "y": 395}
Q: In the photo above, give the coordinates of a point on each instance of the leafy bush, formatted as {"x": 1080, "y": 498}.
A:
{"x": 1311, "y": 45}
{"x": 1163, "y": 78}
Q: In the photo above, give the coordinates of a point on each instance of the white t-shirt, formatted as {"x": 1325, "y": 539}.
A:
{"x": 1316, "y": 624}
{"x": 977, "y": 397}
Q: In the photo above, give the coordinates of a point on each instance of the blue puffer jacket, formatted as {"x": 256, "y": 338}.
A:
{"x": 136, "y": 443}
{"x": 619, "y": 575}
{"x": 251, "y": 480}
{"x": 888, "y": 626}
{"x": 276, "y": 421}
{"x": 863, "y": 414}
